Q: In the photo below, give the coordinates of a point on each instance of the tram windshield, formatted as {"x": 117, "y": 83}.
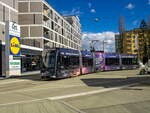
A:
{"x": 49, "y": 59}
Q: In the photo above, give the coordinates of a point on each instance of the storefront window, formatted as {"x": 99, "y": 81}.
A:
{"x": 30, "y": 63}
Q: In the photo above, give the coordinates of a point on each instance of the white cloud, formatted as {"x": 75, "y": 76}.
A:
{"x": 148, "y": 2}
{"x": 130, "y": 6}
{"x": 93, "y": 11}
{"x": 90, "y": 5}
{"x": 74, "y": 11}
{"x": 108, "y": 36}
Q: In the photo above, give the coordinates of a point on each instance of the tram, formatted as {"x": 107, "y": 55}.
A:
{"x": 63, "y": 63}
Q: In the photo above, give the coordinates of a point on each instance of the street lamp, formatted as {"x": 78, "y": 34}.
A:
{"x": 96, "y": 19}
{"x": 92, "y": 42}
{"x": 105, "y": 42}
{"x": 137, "y": 47}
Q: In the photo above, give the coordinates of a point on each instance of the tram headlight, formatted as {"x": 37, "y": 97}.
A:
{"x": 53, "y": 76}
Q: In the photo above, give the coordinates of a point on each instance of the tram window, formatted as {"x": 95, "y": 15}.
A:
{"x": 74, "y": 60}
{"x": 135, "y": 61}
{"x": 129, "y": 61}
{"x": 112, "y": 61}
{"x": 125, "y": 61}
{"x": 87, "y": 62}
{"x": 66, "y": 62}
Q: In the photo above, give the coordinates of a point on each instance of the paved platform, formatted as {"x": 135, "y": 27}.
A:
{"x": 104, "y": 92}
{"x": 24, "y": 74}
{"x": 127, "y": 100}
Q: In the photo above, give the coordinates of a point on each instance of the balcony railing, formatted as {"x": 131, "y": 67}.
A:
{"x": 47, "y": 36}
{"x": 47, "y": 24}
{"x": 31, "y": 42}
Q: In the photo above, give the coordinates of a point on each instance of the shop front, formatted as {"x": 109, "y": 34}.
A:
{"x": 30, "y": 60}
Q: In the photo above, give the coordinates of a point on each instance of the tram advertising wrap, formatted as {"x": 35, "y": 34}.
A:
{"x": 87, "y": 62}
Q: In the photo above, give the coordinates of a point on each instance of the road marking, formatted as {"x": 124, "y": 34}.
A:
{"x": 71, "y": 95}
{"x": 91, "y": 92}
{"x": 9, "y": 82}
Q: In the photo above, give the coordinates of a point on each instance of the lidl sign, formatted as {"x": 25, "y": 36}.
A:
{"x": 15, "y": 48}
{"x": 12, "y": 49}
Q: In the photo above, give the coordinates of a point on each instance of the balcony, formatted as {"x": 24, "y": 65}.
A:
{"x": 45, "y": 6}
{"x": 46, "y": 35}
{"x": 31, "y": 42}
{"x": 47, "y": 24}
{"x": 45, "y": 13}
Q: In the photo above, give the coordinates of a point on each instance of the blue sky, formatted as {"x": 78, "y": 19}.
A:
{"x": 108, "y": 11}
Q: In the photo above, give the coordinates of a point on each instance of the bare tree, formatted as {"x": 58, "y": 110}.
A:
{"x": 148, "y": 22}
{"x": 121, "y": 24}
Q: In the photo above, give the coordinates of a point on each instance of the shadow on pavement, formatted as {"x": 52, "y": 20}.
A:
{"x": 28, "y": 77}
{"x": 35, "y": 77}
{"x": 115, "y": 82}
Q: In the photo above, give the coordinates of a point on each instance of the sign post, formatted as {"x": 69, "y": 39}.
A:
{"x": 12, "y": 49}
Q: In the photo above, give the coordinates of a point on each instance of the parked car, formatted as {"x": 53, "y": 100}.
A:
{"x": 144, "y": 69}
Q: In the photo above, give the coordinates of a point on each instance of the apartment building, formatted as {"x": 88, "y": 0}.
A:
{"x": 43, "y": 27}
{"x": 137, "y": 41}
{"x": 118, "y": 43}
{"x": 8, "y": 12}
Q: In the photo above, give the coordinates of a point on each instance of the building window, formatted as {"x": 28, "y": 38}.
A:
{"x": 33, "y": 18}
{"x": 55, "y": 37}
{"x": 14, "y": 3}
{"x": 135, "y": 51}
{"x": 52, "y": 26}
{"x": 3, "y": 13}
{"x": 62, "y": 31}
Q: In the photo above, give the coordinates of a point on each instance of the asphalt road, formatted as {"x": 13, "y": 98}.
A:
{"x": 104, "y": 92}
